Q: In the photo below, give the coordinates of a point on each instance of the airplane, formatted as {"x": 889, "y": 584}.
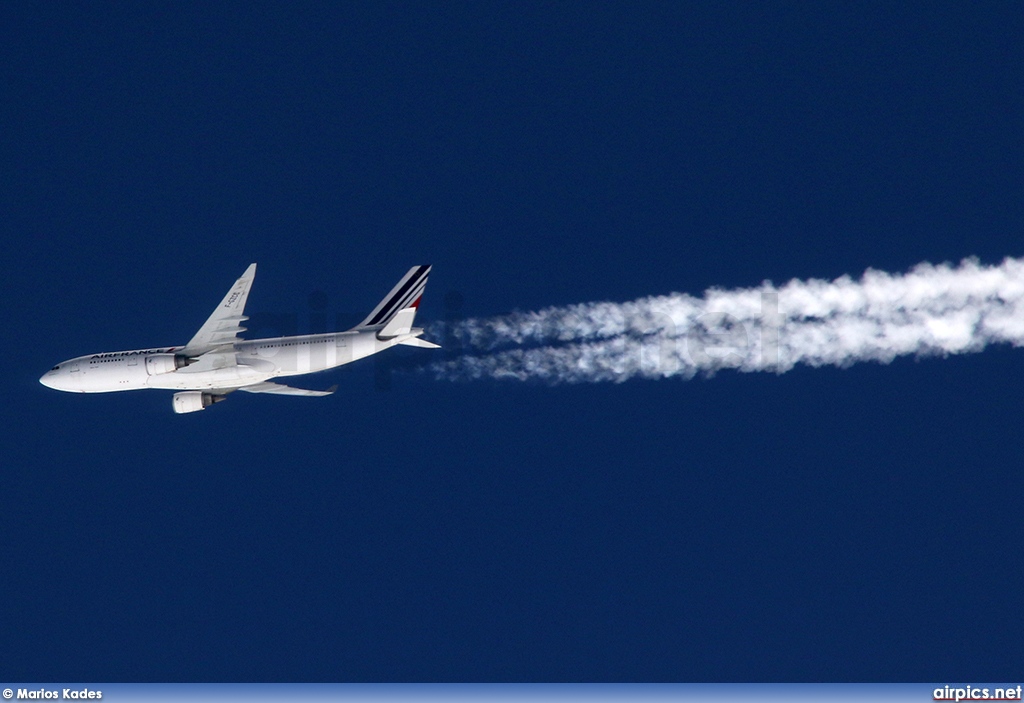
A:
{"x": 217, "y": 361}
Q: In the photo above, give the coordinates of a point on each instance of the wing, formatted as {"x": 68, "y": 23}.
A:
{"x": 224, "y": 325}
{"x": 278, "y": 389}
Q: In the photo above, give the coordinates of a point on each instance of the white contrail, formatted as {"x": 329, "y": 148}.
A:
{"x": 932, "y": 310}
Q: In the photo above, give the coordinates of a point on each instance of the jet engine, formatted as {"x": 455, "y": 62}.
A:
{"x": 193, "y": 401}
{"x": 166, "y": 363}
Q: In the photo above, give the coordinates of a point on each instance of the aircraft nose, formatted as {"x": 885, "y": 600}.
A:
{"x": 49, "y": 380}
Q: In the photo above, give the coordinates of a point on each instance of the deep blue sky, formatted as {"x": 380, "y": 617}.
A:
{"x": 826, "y": 524}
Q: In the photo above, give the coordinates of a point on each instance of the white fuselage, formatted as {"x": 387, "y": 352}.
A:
{"x": 247, "y": 363}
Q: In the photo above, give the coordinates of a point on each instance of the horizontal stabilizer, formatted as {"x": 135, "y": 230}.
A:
{"x": 418, "y": 342}
{"x": 278, "y": 389}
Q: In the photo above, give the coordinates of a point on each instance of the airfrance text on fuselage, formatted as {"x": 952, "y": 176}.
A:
{"x": 130, "y": 353}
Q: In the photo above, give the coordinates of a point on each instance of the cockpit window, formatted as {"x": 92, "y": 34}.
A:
{"x": 55, "y": 368}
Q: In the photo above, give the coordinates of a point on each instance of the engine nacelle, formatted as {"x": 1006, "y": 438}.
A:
{"x": 166, "y": 363}
{"x": 193, "y": 401}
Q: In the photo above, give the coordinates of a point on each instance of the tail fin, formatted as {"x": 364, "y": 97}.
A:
{"x": 404, "y": 296}
{"x": 400, "y": 323}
